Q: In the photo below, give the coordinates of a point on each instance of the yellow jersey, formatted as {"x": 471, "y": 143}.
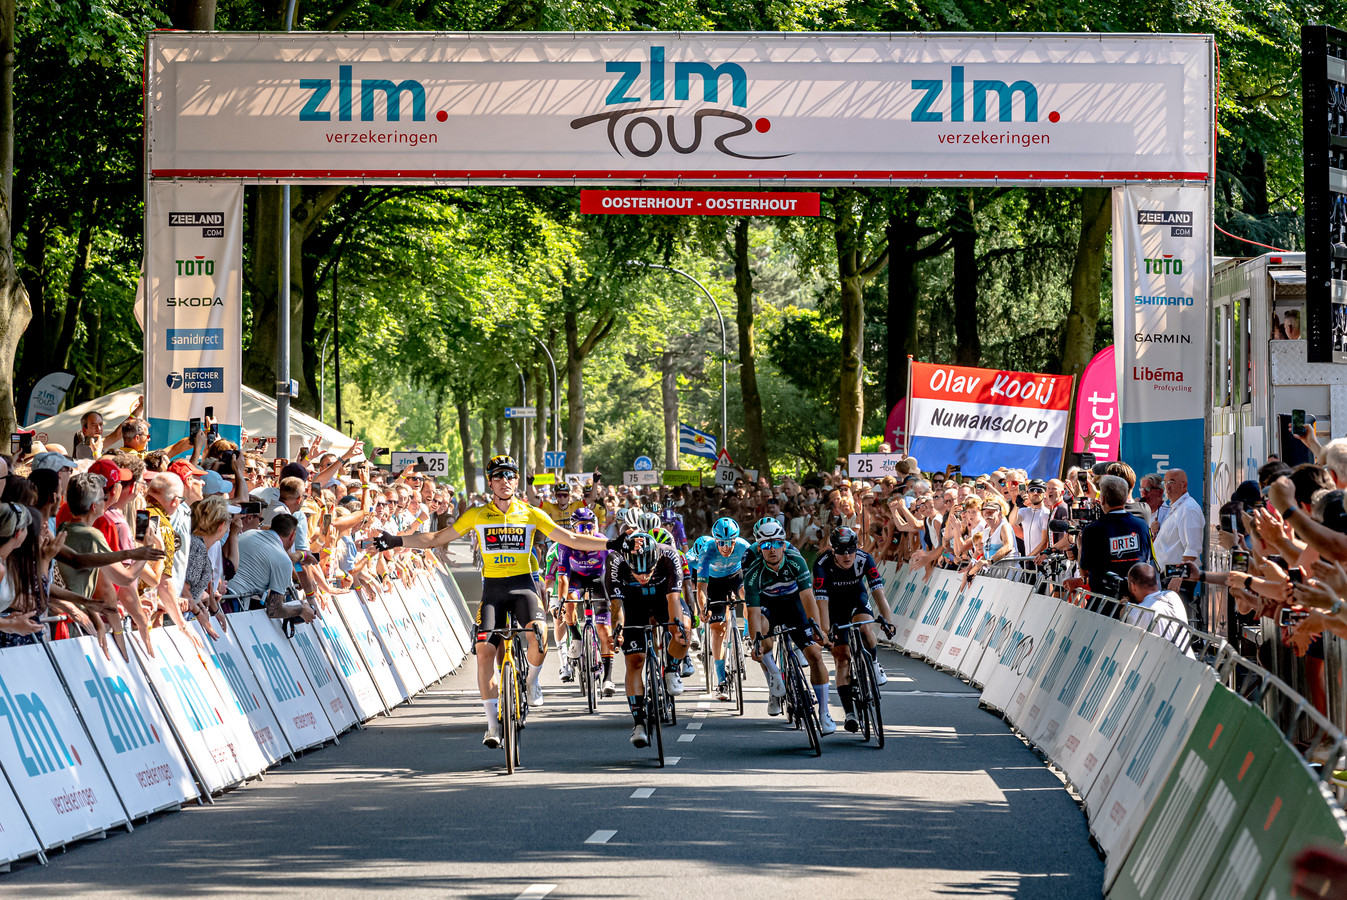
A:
{"x": 505, "y": 538}
{"x": 562, "y": 515}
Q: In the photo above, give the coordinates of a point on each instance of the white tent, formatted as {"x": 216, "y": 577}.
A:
{"x": 259, "y": 421}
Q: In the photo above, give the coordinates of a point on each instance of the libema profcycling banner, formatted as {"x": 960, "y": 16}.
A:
{"x": 619, "y": 108}
{"x": 982, "y": 419}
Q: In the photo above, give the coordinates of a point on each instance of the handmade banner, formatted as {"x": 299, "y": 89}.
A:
{"x": 1161, "y": 291}
{"x": 981, "y": 419}
{"x": 193, "y": 308}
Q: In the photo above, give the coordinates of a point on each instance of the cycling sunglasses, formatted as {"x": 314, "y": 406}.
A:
{"x": 774, "y": 545}
{"x": 729, "y": 543}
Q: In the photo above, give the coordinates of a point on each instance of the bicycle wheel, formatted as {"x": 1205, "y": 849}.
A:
{"x": 785, "y": 663}
{"x": 734, "y": 667}
{"x": 589, "y": 658}
{"x": 506, "y": 704}
{"x": 521, "y": 674}
{"x": 654, "y": 687}
{"x": 860, "y": 686}
{"x": 876, "y": 711}
{"x": 708, "y": 657}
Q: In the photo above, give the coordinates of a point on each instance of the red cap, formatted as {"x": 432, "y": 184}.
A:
{"x": 182, "y": 468}
{"x": 111, "y": 472}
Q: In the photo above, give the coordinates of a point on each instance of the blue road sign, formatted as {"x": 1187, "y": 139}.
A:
{"x": 643, "y": 464}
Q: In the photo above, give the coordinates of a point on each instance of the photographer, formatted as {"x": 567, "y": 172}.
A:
{"x": 1111, "y": 545}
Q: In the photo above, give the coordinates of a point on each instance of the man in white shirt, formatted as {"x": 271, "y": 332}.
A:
{"x": 1143, "y": 583}
{"x": 1180, "y": 537}
{"x": 1033, "y": 519}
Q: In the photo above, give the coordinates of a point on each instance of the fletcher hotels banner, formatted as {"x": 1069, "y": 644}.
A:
{"x": 981, "y": 419}
{"x": 622, "y": 108}
{"x": 193, "y": 314}
{"x": 1161, "y": 280}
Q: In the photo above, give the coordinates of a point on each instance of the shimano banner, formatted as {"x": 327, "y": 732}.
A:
{"x": 1161, "y": 287}
{"x": 623, "y": 108}
{"x": 193, "y": 308}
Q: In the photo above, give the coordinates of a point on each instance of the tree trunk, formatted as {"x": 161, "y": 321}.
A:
{"x": 1254, "y": 178}
{"x": 1087, "y": 272}
{"x": 967, "y": 344}
{"x": 192, "y": 15}
{"x": 903, "y": 291}
{"x": 851, "y": 398}
{"x": 668, "y": 388}
{"x": 14, "y": 309}
{"x": 576, "y": 351}
{"x": 40, "y": 336}
{"x": 465, "y": 440}
{"x": 755, "y": 448}
{"x": 259, "y": 362}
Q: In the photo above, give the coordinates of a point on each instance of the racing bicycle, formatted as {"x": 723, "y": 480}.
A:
{"x": 513, "y": 705}
{"x": 799, "y": 701}
{"x": 590, "y": 662}
{"x": 660, "y": 709}
{"x": 864, "y": 688}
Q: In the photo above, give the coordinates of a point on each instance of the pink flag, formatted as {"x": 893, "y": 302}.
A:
{"x": 1097, "y": 408}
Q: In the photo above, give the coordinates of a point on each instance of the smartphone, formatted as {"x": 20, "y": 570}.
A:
{"x": 1082, "y": 512}
{"x": 21, "y": 443}
{"x": 193, "y": 428}
{"x": 210, "y": 412}
{"x": 1293, "y": 575}
{"x": 380, "y": 451}
{"x": 1083, "y": 478}
{"x": 315, "y": 489}
{"x": 1289, "y": 617}
{"x": 366, "y": 544}
{"x": 1178, "y": 571}
{"x": 261, "y": 444}
{"x": 1298, "y": 422}
{"x": 1230, "y": 522}
{"x": 156, "y": 522}
{"x": 1239, "y": 560}
{"x": 1024, "y": 489}
{"x": 142, "y": 524}
{"x": 250, "y": 508}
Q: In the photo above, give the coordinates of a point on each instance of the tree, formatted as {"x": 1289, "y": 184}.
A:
{"x": 756, "y": 448}
{"x": 860, "y": 257}
{"x": 14, "y": 309}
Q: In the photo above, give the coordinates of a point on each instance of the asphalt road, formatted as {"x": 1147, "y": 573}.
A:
{"x": 954, "y": 806}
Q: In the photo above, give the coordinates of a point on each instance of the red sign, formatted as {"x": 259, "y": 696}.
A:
{"x": 699, "y": 203}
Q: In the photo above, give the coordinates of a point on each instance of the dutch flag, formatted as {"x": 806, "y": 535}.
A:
{"x": 698, "y": 443}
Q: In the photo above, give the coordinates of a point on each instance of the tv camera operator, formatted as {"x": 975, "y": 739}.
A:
{"x": 1114, "y": 542}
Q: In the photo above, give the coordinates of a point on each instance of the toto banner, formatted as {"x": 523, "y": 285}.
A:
{"x": 981, "y": 419}
{"x": 629, "y": 107}
{"x": 1161, "y": 288}
{"x": 193, "y": 308}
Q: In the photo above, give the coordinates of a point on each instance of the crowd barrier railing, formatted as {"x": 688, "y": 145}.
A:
{"x": 1180, "y": 749}
{"x": 94, "y": 743}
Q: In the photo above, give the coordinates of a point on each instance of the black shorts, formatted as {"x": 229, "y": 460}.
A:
{"x": 721, "y": 590}
{"x": 843, "y": 609}
{"x": 789, "y": 611}
{"x": 514, "y": 594}
{"x": 638, "y": 612}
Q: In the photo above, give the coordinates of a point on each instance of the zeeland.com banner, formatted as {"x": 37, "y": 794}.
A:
{"x": 623, "y": 108}
{"x": 981, "y": 419}
{"x": 193, "y": 315}
{"x": 1161, "y": 281}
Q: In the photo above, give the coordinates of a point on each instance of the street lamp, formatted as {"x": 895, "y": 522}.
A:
{"x": 322, "y": 381}
{"x": 556, "y": 399}
{"x": 724, "y": 405}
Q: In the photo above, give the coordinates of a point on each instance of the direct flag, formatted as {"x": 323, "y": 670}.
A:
{"x": 698, "y": 443}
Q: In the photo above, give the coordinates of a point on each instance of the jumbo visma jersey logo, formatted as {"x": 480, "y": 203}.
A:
{"x": 633, "y": 130}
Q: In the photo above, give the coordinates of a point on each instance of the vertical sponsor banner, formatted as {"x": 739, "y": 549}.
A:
{"x": 359, "y": 683}
{"x": 56, "y": 773}
{"x": 244, "y": 702}
{"x": 983, "y": 418}
{"x": 193, "y": 315}
{"x": 297, "y": 706}
{"x": 944, "y": 587}
{"x": 331, "y": 693}
{"x": 1161, "y": 293}
{"x": 127, "y": 726}
{"x": 1097, "y": 426}
{"x": 426, "y": 670}
{"x": 220, "y": 746}
{"x": 351, "y": 608}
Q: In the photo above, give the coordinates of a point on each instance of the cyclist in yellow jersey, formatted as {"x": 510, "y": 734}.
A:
{"x": 563, "y": 508}
{"x": 504, "y": 529}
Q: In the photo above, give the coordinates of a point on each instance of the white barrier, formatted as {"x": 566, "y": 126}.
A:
{"x": 57, "y": 775}
{"x": 351, "y": 669}
{"x": 394, "y": 649}
{"x": 331, "y": 690}
{"x": 998, "y": 636}
{"x": 1027, "y": 635}
{"x": 128, "y": 728}
{"x": 233, "y": 678}
{"x": 293, "y": 698}
{"x": 426, "y": 671}
{"x": 378, "y": 663}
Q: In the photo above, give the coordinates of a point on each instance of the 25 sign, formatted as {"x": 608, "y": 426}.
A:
{"x": 872, "y": 465}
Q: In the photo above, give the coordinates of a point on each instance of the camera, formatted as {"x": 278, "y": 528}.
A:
{"x": 1179, "y": 571}
{"x": 1114, "y": 584}
{"x": 1085, "y": 513}
{"x": 1239, "y": 560}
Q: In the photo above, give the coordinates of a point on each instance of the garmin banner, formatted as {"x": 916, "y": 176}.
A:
{"x": 1161, "y": 281}
{"x": 193, "y": 308}
{"x": 984, "y": 418}
{"x": 635, "y": 107}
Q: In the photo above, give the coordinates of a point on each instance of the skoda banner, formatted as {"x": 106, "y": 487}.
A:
{"x": 1161, "y": 279}
{"x": 193, "y": 314}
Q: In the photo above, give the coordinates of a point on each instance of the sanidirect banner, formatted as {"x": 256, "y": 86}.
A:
{"x": 626, "y": 107}
{"x": 1161, "y": 282}
{"x": 981, "y": 419}
{"x": 1097, "y": 426}
{"x": 193, "y": 313}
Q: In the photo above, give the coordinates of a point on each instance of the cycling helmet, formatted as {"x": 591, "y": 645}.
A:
{"x": 725, "y": 529}
{"x": 627, "y": 517}
{"x": 700, "y": 546}
{"x": 662, "y": 536}
{"x": 583, "y": 521}
{"x": 768, "y": 529}
{"x": 844, "y": 540}
{"x": 641, "y": 553}
{"x": 648, "y": 522}
{"x": 500, "y": 464}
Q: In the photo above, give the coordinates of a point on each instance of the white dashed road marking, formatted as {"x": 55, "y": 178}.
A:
{"x": 642, "y": 793}
{"x": 536, "y": 891}
{"x": 600, "y": 837}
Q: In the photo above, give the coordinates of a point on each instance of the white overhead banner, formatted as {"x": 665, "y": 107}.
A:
{"x": 693, "y": 107}
{"x": 1162, "y": 245}
{"x": 193, "y": 307}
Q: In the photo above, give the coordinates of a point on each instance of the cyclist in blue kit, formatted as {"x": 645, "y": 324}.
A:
{"x": 719, "y": 577}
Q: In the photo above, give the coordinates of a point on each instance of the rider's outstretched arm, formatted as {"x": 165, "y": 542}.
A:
{"x": 427, "y": 540}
